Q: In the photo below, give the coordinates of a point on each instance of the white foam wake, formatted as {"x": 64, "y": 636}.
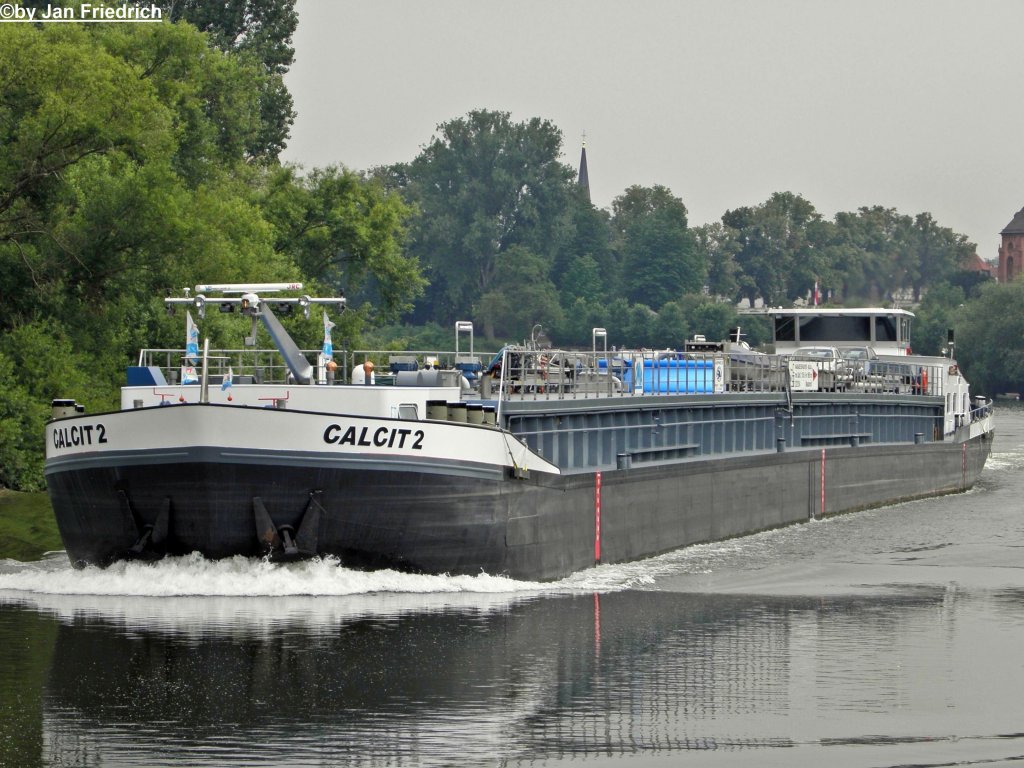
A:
{"x": 193, "y": 575}
{"x": 194, "y": 595}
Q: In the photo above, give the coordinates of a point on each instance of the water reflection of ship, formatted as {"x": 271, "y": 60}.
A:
{"x": 553, "y": 676}
{"x": 28, "y": 639}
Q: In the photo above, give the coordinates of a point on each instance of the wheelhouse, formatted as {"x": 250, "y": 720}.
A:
{"x": 886, "y": 331}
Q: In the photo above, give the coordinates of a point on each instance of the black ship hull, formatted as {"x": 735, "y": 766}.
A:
{"x": 425, "y": 519}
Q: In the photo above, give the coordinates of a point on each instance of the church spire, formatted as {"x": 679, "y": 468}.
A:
{"x": 584, "y": 179}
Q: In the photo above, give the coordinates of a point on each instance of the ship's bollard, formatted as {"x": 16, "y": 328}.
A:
{"x": 474, "y": 413}
{"x": 437, "y": 410}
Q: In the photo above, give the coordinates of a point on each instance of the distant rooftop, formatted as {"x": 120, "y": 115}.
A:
{"x": 834, "y": 311}
{"x": 977, "y": 264}
{"x": 1015, "y": 227}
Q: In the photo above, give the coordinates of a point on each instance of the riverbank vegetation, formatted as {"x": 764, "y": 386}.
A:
{"x": 28, "y": 528}
{"x": 139, "y": 159}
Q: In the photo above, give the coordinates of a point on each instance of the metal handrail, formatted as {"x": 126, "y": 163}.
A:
{"x": 264, "y": 364}
{"x": 550, "y": 374}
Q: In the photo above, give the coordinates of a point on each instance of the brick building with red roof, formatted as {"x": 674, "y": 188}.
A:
{"x": 1011, "y": 252}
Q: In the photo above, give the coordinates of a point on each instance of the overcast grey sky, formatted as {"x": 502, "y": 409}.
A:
{"x": 908, "y": 104}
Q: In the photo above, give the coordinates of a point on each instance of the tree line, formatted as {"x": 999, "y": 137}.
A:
{"x": 507, "y": 238}
{"x": 141, "y": 158}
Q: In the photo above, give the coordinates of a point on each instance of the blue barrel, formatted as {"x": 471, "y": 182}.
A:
{"x": 679, "y": 376}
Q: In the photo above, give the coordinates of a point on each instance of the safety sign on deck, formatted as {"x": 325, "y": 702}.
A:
{"x": 803, "y": 376}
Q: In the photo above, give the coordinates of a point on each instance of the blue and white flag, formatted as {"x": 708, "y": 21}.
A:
{"x": 328, "y": 348}
{"x": 228, "y": 377}
{"x": 191, "y": 340}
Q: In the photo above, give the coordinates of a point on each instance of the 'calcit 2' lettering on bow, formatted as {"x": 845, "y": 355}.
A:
{"x": 381, "y": 437}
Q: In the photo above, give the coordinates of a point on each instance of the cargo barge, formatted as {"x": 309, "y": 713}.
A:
{"x": 533, "y": 462}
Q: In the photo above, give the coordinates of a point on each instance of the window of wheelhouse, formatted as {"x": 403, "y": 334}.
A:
{"x": 835, "y": 328}
{"x": 886, "y": 328}
{"x": 905, "y": 330}
{"x": 785, "y": 328}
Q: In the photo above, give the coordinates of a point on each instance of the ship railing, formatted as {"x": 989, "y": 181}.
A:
{"x": 525, "y": 373}
{"x": 528, "y": 373}
{"x": 247, "y": 366}
{"x": 881, "y": 377}
{"x": 392, "y": 361}
{"x": 265, "y": 366}
{"x": 977, "y": 421}
{"x": 981, "y": 408}
{"x": 391, "y": 366}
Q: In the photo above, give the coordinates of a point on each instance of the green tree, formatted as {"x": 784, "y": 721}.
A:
{"x": 482, "y": 185}
{"x": 866, "y": 247}
{"x": 882, "y": 251}
{"x": 671, "y": 328}
{"x": 521, "y": 295}
{"x": 616, "y": 320}
{"x": 719, "y": 245}
{"x": 260, "y": 31}
{"x": 936, "y": 315}
{"x": 659, "y": 255}
{"x": 102, "y": 194}
{"x": 65, "y": 103}
{"x": 970, "y": 281}
{"x": 581, "y": 317}
{"x": 931, "y": 254}
{"x": 777, "y": 254}
{"x": 640, "y": 325}
{"x": 629, "y": 325}
{"x": 713, "y": 319}
{"x": 990, "y": 340}
{"x": 21, "y": 419}
{"x": 755, "y": 330}
{"x": 214, "y": 96}
{"x": 585, "y": 253}
{"x": 582, "y": 280}
{"x": 345, "y": 231}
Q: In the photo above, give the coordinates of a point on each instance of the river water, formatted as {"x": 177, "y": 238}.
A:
{"x": 893, "y": 637}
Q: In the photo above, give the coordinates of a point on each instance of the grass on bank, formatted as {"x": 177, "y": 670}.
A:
{"x": 27, "y": 526}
